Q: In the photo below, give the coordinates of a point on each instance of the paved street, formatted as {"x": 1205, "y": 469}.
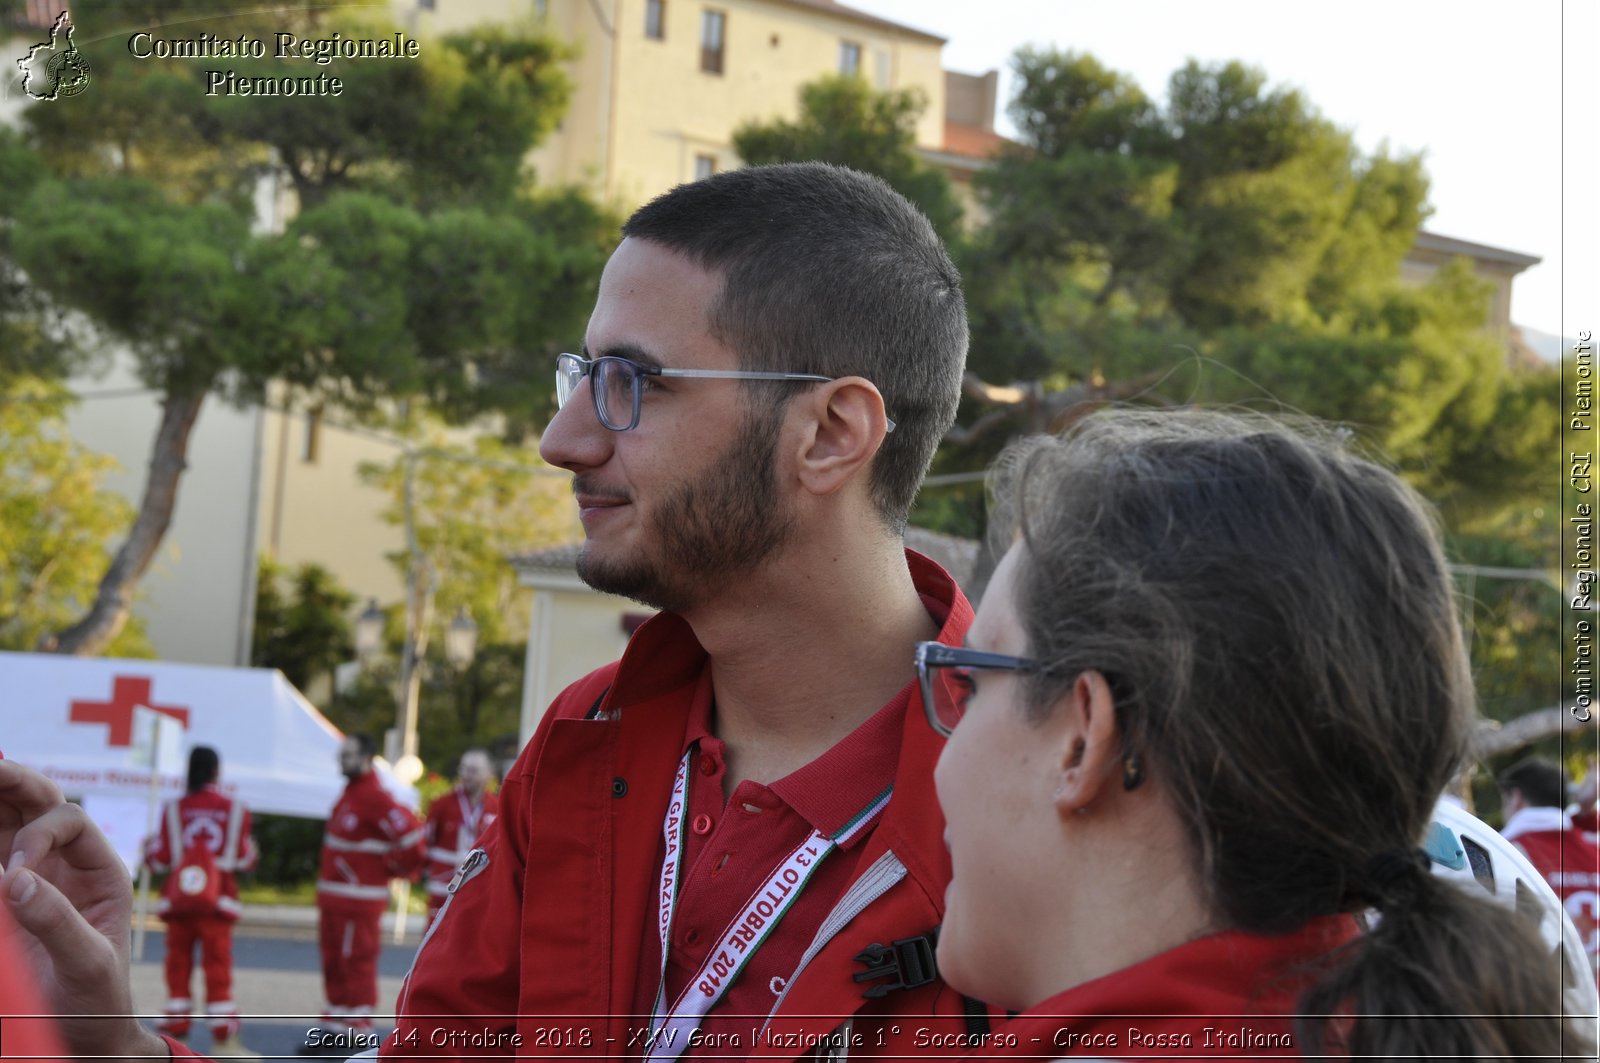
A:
{"x": 277, "y": 983}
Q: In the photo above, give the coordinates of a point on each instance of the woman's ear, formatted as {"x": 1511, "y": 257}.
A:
{"x": 845, "y": 428}
{"x": 1091, "y": 744}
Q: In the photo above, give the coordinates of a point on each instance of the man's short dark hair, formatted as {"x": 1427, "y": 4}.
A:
{"x": 829, "y": 271}
{"x": 1541, "y": 782}
{"x": 365, "y": 743}
{"x": 204, "y": 766}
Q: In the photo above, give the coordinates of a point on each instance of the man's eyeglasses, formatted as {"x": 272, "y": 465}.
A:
{"x": 615, "y": 384}
{"x": 945, "y": 713}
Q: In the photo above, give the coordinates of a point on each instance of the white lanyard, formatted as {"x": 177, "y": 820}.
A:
{"x": 749, "y": 930}
{"x": 469, "y": 821}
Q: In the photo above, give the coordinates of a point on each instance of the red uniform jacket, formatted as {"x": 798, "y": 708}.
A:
{"x": 370, "y": 838}
{"x": 1228, "y": 995}
{"x": 1588, "y": 824}
{"x": 27, "y": 1026}
{"x": 204, "y": 817}
{"x": 538, "y": 950}
{"x": 1568, "y": 862}
{"x": 452, "y": 826}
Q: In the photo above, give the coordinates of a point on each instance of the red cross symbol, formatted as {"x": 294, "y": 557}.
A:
{"x": 126, "y": 693}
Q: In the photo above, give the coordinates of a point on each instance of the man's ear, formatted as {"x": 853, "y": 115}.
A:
{"x": 1090, "y": 744}
{"x": 844, "y": 427}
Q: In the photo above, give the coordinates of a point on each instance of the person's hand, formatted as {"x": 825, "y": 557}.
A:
{"x": 69, "y": 894}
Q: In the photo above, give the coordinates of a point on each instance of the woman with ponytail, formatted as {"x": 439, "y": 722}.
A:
{"x": 1214, "y": 690}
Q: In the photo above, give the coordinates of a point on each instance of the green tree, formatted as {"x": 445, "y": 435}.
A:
{"x": 465, "y": 510}
{"x": 843, "y": 120}
{"x": 302, "y": 625}
{"x": 412, "y": 272}
{"x": 55, "y": 518}
{"x": 1235, "y": 232}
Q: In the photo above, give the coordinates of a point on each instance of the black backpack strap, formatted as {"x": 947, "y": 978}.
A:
{"x": 977, "y": 1014}
{"x": 912, "y": 962}
{"x": 906, "y": 964}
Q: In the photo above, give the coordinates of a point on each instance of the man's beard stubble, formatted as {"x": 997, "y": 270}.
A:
{"x": 706, "y": 532}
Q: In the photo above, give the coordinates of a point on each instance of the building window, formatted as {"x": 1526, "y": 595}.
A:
{"x": 704, "y": 166}
{"x": 849, "y": 58}
{"x": 713, "y": 32}
{"x": 655, "y": 19}
{"x": 313, "y": 437}
{"x": 541, "y": 8}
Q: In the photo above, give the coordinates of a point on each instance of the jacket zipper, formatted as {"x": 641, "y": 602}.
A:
{"x": 470, "y": 868}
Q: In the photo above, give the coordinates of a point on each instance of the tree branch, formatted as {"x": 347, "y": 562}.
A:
{"x": 109, "y": 612}
{"x": 1493, "y": 738}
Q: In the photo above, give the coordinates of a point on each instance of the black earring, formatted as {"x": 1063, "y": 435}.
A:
{"x": 1132, "y": 772}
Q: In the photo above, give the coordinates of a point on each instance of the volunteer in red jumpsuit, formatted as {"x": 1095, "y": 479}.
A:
{"x": 454, "y": 822}
{"x": 197, "y": 913}
{"x": 370, "y": 838}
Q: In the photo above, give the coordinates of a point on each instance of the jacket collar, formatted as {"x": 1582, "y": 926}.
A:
{"x": 664, "y": 656}
{"x": 1536, "y": 819}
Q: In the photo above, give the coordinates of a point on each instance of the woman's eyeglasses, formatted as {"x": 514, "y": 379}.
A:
{"x": 945, "y": 713}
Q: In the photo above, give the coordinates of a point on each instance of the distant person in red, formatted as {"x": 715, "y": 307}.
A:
{"x": 201, "y": 843}
{"x": 1585, "y": 816}
{"x": 454, "y": 822}
{"x": 370, "y": 839}
{"x": 1534, "y": 791}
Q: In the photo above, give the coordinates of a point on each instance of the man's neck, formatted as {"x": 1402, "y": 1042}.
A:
{"x": 806, "y": 653}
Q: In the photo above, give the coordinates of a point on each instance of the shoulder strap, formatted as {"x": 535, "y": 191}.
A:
{"x": 174, "y": 833}
{"x": 230, "y": 846}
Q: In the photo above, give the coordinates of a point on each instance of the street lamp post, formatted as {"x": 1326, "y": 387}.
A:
{"x": 460, "y": 647}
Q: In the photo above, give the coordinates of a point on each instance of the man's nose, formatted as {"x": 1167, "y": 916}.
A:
{"x": 575, "y": 438}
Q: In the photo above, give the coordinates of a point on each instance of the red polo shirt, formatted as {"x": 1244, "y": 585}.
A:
{"x": 732, "y": 846}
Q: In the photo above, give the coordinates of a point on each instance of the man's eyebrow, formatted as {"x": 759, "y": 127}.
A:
{"x": 631, "y": 351}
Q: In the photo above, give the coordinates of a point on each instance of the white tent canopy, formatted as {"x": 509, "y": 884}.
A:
{"x": 72, "y": 719}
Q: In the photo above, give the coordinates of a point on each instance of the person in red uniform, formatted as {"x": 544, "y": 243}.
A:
{"x": 206, "y": 817}
{"x": 1584, "y": 810}
{"x": 1189, "y": 759}
{"x": 454, "y": 822}
{"x": 370, "y": 839}
{"x": 726, "y": 842}
{"x": 1534, "y": 792}
{"x": 774, "y": 355}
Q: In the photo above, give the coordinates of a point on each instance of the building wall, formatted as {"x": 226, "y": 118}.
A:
{"x": 572, "y": 631}
{"x": 315, "y": 509}
{"x": 643, "y": 110}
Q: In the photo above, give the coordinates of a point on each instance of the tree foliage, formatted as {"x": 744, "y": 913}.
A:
{"x": 472, "y": 507}
{"x": 420, "y": 265}
{"x": 467, "y": 509}
{"x": 302, "y": 622}
{"x": 1233, "y": 246}
{"x": 1238, "y": 246}
{"x": 843, "y": 120}
{"x": 56, "y": 521}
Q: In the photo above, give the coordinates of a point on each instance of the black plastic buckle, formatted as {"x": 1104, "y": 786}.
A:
{"x": 909, "y": 962}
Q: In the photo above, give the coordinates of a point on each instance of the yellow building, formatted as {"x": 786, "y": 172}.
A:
{"x": 660, "y": 85}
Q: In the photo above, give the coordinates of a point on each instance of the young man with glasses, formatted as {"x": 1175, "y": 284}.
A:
{"x": 728, "y": 840}
{"x": 727, "y": 844}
